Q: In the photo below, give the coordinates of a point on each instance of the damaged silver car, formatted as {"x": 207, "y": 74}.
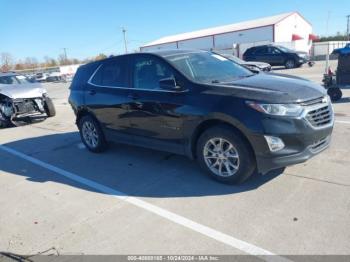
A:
{"x": 22, "y": 100}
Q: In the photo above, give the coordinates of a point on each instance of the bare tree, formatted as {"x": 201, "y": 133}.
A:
{"x": 6, "y": 61}
{"x": 49, "y": 61}
{"x": 62, "y": 60}
{"x": 31, "y": 62}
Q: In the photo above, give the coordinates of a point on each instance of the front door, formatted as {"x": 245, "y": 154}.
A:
{"x": 155, "y": 114}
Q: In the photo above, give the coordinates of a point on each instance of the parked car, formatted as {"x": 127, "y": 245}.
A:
{"x": 41, "y": 77}
{"x": 276, "y": 55}
{"x": 20, "y": 99}
{"x": 343, "y": 51}
{"x": 204, "y": 106}
{"x": 54, "y": 77}
{"x": 260, "y": 66}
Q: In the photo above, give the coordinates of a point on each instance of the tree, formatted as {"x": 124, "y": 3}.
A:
{"x": 19, "y": 65}
{"x": 338, "y": 37}
{"x": 49, "y": 62}
{"x": 75, "y": 61}
{"x": 100, "y": 57}
{"x": 62, "y": 60}
{"x": 6, "y": 61}
{"x": 30, "y": 62}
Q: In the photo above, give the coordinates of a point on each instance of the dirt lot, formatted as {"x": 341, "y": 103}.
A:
{"x": 129, "y": 200}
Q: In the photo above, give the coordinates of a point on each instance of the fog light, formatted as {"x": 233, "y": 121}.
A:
{"x": 275, "y": 143}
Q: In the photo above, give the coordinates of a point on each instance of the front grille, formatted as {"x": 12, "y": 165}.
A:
{"x": 24, "y": 106}
{"x": 320, "y": 116}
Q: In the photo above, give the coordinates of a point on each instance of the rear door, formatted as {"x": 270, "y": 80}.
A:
{"x": 106, "y": 95}
{"x": 260, "y": 54}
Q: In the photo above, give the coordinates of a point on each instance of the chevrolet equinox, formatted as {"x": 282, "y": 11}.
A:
{"x": 202, "y": 105}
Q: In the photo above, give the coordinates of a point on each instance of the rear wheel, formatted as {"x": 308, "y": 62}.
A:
{"x": 91, "y": 134}
{"x": 225, "y": 155}
{"x": 289, "y": 64}
{"x": 49, "y": 107}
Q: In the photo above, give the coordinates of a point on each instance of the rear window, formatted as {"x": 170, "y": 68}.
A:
{"x": 112, "y": 73}
{"x": 82, "y": 75}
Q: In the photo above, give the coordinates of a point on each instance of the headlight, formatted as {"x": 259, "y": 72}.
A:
{"x": 277, "y": 109}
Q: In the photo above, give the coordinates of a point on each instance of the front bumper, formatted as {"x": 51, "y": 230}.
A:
{"x": 28, "y": 107}
{"x": 266, "y": 164}
{"x": 302, "y": 136}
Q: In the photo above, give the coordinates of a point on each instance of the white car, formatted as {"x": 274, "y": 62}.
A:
{"x": 41, "y": 77}
{"x": 21, "y": 99}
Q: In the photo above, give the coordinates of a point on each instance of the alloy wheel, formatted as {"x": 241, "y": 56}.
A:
{"x": 90, "y": 134}
{"x": 221, "y": 157}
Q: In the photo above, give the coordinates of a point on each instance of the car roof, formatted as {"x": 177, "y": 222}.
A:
{"x": 161, "y": 53}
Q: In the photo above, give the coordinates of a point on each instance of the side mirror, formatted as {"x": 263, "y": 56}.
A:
{"x": 169, "y": 84}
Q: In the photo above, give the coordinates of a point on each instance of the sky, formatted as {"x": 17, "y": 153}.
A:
{"x": 38, "y": 28}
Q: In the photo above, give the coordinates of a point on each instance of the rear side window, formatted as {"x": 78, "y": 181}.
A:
{"x": 250, "y": 51}
{"x": 261, "y": 51}
{"x": 111, "y": 73}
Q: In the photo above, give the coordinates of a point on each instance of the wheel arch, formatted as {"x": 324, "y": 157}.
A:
{"x": 83, "y": 112}
{"x": 218, "y": 121}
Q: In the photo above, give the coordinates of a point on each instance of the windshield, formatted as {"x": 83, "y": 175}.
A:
{"x": 285, "y": 49}
{"x": 206, "y": 67}
{"x": 13, "y": 80}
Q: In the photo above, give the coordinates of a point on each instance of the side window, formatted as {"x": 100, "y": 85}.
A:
{"x": 273, "y": 50}
{"x": 261, "y": 51}
{"x": 112, "y": 73}
{"x": 148, "y": 71}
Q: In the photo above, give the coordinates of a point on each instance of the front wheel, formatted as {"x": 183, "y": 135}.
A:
{"x": 290, "y": 63}
{"x": 225, "y": 155}
{"x": 49, "y": 107}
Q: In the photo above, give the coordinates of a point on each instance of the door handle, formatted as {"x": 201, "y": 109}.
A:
{"x": 133, "y": 96}
{"x": 92, "y": 92}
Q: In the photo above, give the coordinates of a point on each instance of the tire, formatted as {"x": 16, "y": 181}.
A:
{"x": 245, "y": 162}
{"x": 91, "y": 134}
{"x": 335, "y": 93}
{"x": 289, "y": 64}
{"x": 49, "y": 107}
{"x": 4, "y": 122}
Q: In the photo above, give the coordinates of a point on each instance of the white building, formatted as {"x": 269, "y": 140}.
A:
{"x": 289, "y": 29}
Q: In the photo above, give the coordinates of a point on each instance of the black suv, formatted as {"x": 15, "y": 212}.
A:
{"x": 204, "y": 106}
{"x": 276, "y": 56}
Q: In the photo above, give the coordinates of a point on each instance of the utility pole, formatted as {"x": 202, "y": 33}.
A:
{"x": 65, "y": 54}
{"x": 348, "y": 28}
{"x": 125, "y": 43}
{"x": 327, "y": 55}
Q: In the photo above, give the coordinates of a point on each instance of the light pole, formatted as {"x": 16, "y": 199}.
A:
{"x": 65, "y": 54}
{"x": 125, "y": 43}
{"x": 348, "y": 28}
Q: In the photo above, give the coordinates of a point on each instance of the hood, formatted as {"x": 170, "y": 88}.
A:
{"x": 22, "y": 90}
{"x": 274, "y": 88}
{"x": 301, "y": 53}
{"x": 258, "y": 64}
